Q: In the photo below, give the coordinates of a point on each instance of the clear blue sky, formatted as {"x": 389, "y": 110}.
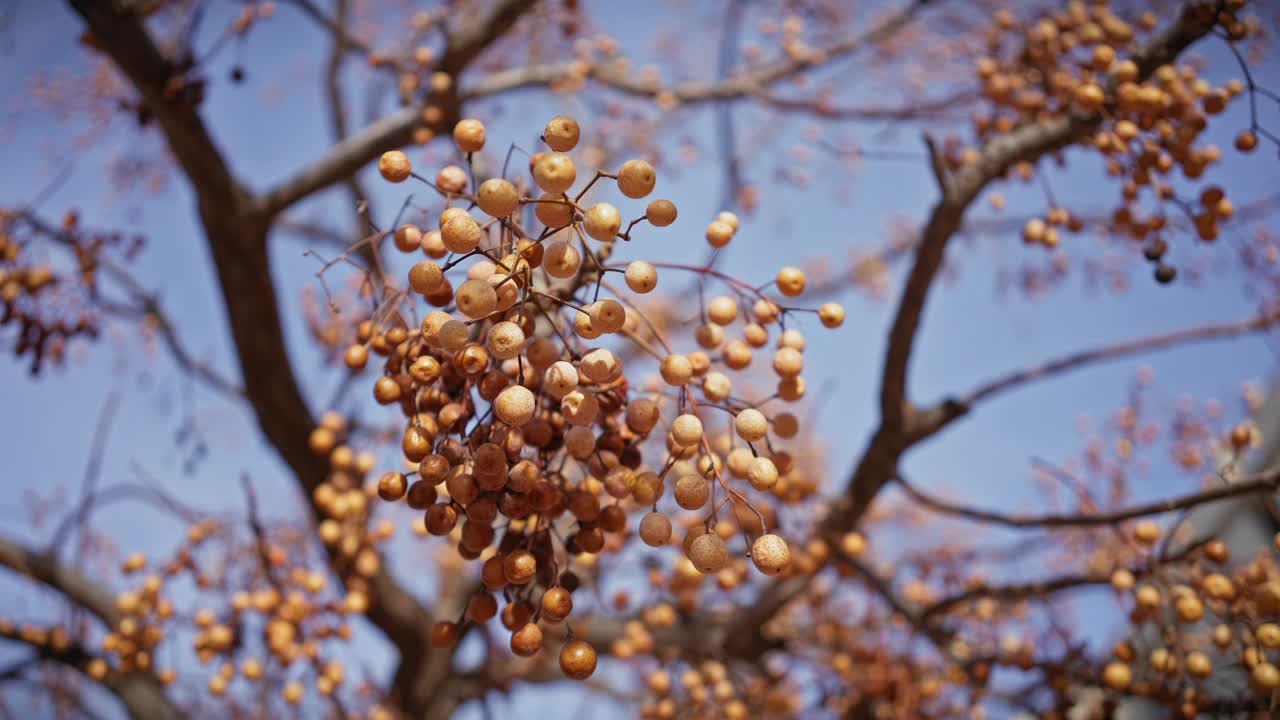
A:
{"x": 968, "y": 334}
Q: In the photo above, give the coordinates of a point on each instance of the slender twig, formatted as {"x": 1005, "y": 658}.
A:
{"x": 1266, "y": 481}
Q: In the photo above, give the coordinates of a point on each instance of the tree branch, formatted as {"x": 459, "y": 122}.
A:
{"x": 465, "y": 45}
{"x": 141, "y": 693}
{"x": 930, "y": 421}
{"x": 922, "y": 109}
{"x": 146, "y": 303}
{"x": 236, "y": 238}
{"x": 1266, "y": 481}
{"x": 349, "y": 155}
{"x": 45, "y": 569}
{"x": 898, "y": 427}
{"x": 344, "y": 159}
{"x": 735, "y": 87}
{"x": 1042, "y": 588}
{"x": 1024, "y": 144}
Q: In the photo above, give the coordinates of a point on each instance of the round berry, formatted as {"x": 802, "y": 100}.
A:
{"x": 686, "y": 430}
{"x": 636, "y": 178}
{"x": 515, "y": 405}
{"x": 719, "y": 234}
{"x": 600, "y": 366}
{"x": 770, "y": 554}
{"x": 561, "y": 134}
{"x": 424, "y": 277}
{"x": 602, "y": 221}
{"x": 392, "y": 486}
{"x": 692, "y": 491}
{"x": 762, "y": 473}
{"x": 655, "y": 529}
{"x": 554, "y": 172}
{"x": 469, "y": 135}
{"x": 751, "y": 425}
{"x": 519, "y": 566}
{"x": 722, "y": 310}
{"x": 641, "y": 277}
{"x": 476, "y": 299}
{"x": 386, "y": 390}
{"x": 506, "y": 340}
{"x": 497, "y": 197}
{"x": 831, "y": 315}
{"x": 408, "y": 238}
{"x": 461, "y": 234}
{"x": 527, "y": 641}
{"x": 788, "y": 362}
{"x": 561, "y": 259}
{"x": 578, "y": 659}
{"x": 555, "y": 214}
{"x": 607, "y": 315}
{"x": 790, "y": 281}
{"x": 394, "y": 166}
{"x": 676, "y": 369}
{"x": 660, "y": 213}
{"x": 452, "y": 180}
{"x": 708, "y": 553}
{"x": 356, "y": 357}
{"x": 557, "y": 604}
{"x": 433, "y": 245}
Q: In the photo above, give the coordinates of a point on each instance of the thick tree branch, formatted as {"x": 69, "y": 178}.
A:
{"x": 237, "y": 241}
{"x": 466, "y": 43}
{"x": 1025, "y": 144}
{"x": 345, "y": 159}
{"x": 396, "y": 130}
{"x": 352, "y": 153}
{"x": 141, "y": 693}
{"x": 899, "y": 422}
{"x": 119, "y": 30}
{"x": 43, "y": 567}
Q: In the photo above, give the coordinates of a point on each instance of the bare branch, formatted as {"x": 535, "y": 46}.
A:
{"x": 351, "y": 154}
{"x": 1266, "y": 481}
{"x": 145, "y": 303}
{"x": 344, "y": 159}
{"x": 338, "y": 118}
{"x": 931, "y": 420}
{"x": 465, "y": 44}
{"x": 237, "y": 241}
{"x": 259, "y": 533}
{"x": 1024, "y": 144}
{"x": 735, "y": 87}
{"x": 141, "y": 693}
{"x": 929, "y": 109}
{"x": 45, "y": 569}
{"x": 726, "y": 129}
{"x": 1219, "y": 331}
{"x": 1044, "y": 588}
{"x": 92, "y": 472}
{"x": 898, "y": 426}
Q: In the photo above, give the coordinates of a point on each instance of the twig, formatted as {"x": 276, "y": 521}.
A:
{"x": 1265, "y": 481}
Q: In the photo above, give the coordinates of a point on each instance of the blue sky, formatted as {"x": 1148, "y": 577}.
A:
{"x": 967, "y": 336}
